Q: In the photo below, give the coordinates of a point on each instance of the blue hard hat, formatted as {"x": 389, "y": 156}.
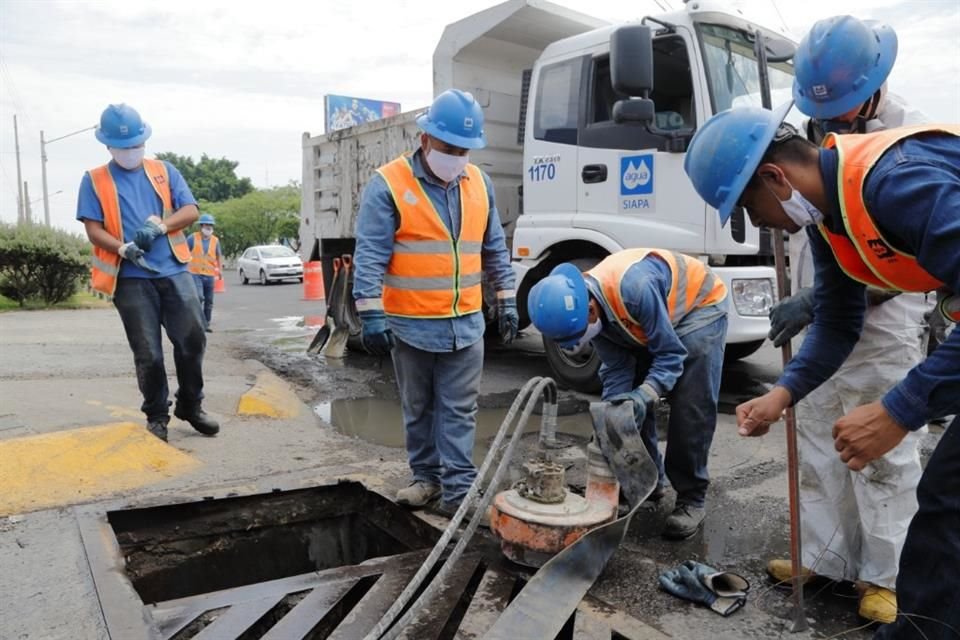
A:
{"x": 456, "y": 118}
{"x": 840, "y": 63}
{"x": 726, "y": 151}
{"x": 121, "y": 127}
{"x": 558, "y": 305}
{"x": 206, "y": 218}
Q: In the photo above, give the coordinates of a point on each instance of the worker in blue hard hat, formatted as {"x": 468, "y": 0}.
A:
{"x": 879, "y": 210}
{"x": 134, "y": 210}
{"x": 427, "y": 232}
{"x": 658, "y": 321}
{"x": 206, "y": 263}
{"x": 852, "y": 530}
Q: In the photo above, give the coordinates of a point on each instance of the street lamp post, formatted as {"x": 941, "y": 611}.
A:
{"x": 43, "y": 168}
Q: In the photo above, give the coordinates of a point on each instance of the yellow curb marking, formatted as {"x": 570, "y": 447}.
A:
{"x": 116, "y": 411}
{"x": 77, "y": 465}
{"x": 271, "y": 397}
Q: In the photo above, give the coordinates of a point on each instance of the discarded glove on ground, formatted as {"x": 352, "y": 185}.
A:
{"x": 722, "y": 591}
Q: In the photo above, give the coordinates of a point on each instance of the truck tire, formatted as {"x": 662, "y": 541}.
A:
{"x": 739, "y": 350}
{"x": 579, "y": 373}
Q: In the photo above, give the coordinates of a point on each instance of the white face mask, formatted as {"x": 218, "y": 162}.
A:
{"x": 798, "y": 208}
{"x": 593, "y": 330}
{"x": 129, "y": 159}
{"x": 206, "y": 231}
{"x": 446, "y": 166}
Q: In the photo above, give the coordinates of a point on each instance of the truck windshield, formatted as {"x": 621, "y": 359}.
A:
{"x": 732, "y": 71}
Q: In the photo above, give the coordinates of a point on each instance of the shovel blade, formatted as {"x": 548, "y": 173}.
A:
{"x": 319, "y": 340}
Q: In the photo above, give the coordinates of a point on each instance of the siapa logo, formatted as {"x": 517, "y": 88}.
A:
{"x": 880, "y": 248}
{"x": 820, "y": 90}
{"x": 636, "y": 175}
{"x": 468, "y": 123}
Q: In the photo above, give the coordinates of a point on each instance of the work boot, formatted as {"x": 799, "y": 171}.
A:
{"x": 449, "y": 509}
{"x": 683, "y": 522}
{"x": 199, "y": 420}
{"x": 781, "y": 570}
{"x": 418, "y": 494}
{"x": 208, "y": 330}
{"x": 158, "y": 428}
{"x": 877, "y": 604}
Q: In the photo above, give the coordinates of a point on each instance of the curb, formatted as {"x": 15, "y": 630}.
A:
{"x": 270, "y": 397}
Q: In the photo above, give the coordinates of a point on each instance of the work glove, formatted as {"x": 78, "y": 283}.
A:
{"x": 130, "y": 251}
{"x": 644, "y": 398}
{"x": 723, "y": 592}
{"x": 376, "y": 337}
{"x": 152, "y": 229}
{"x": 508, "y": 318}
{"x": 789, "y": 316}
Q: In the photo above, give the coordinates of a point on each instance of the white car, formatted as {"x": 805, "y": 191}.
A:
{"x": 268, "y": 263}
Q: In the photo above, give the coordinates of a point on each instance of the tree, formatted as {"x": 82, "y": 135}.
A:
{"x": 260, "y": 217}
{"x": 210, "y": 179}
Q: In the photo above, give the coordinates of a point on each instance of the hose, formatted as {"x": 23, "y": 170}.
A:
{"x": 385, "y": 629}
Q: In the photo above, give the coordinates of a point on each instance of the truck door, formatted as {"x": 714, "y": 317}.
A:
{"x": 630, "y": 187}
{"x": 550, "y": 146}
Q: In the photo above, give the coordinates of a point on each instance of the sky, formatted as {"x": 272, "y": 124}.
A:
{"x": 245, "y": 80}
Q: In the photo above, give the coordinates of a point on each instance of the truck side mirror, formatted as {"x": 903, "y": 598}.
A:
{"x": 631, "y": 73}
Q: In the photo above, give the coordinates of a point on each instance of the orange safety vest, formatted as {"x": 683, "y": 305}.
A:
{"x": 204, "y": 264}
{"x": 431, "y": 274}
{"x": 105, "y": 265}
{"x": 865, "y": 255}
{"x": 692, "y": 286}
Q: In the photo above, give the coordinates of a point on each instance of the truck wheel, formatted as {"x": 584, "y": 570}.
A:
{"x": 579, "y": 372}
{"x": 739, "y": 350}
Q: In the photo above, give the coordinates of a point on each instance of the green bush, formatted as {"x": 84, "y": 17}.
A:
{"x": 38, "y": 263}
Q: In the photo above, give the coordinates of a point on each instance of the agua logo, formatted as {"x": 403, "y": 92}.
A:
{"x": 636, "y": 175}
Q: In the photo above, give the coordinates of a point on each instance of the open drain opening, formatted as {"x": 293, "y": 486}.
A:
{"x": 175, "y": 551}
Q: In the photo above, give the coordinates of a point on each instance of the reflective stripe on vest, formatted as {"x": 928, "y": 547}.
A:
{"x": 431, "y": 275}
{"x": 865, "y": 255}
{"x": 105, "y": 265}
{"x": 692, "y": 286}
{"x": 203, "y": 263}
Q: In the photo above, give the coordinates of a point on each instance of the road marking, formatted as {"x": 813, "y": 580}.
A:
{"x": 270, "y": 396}
{"x": 78, "y": 465}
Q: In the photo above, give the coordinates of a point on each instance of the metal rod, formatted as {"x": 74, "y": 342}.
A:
{"x": 43, "y": 167}
{"x": 793, "y": 459}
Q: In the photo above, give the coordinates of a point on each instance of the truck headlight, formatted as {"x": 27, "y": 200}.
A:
{"x": 753, "y": 297}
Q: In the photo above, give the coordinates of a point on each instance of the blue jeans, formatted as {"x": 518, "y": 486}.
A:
{"x": 693, "y": 413}
{"x": 929, "y": 579}
{"x": 438, "y": 395}
{"x": 146, "y": 305}
{"x": 205, "y": 289}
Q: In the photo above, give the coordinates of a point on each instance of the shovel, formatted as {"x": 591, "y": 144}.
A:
{"x": 323, "y": 335}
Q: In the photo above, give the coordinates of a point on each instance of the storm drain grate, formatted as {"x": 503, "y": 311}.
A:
{"x": 317, "y": 563}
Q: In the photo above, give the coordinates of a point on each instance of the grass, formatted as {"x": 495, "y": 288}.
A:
{"x": 82, "y": 300}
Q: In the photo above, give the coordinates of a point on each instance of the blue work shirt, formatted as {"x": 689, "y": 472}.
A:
{"x": 913, "y": 196}
{"x": 138, "y": 201}
{"x": 377, "y": 223}
{"x": 205, "y": 243}
{"x": 645, "y": 287}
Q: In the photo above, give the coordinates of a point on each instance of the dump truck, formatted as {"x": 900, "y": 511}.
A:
{"x": 581, "y": 170}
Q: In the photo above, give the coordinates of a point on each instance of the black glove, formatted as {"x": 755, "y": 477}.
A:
{"x": 130, "y": 251}
{"x": 789, "y": 316}
{"x": 723, "y": 592}
{"x": 376, "y": 337}
{"x": 508, "y": 318}
{"x": 152, "y": 229}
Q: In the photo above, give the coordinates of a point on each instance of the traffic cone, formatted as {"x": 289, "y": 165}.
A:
{"x": 219, "y": 285}
{"x": 313, "y": 281}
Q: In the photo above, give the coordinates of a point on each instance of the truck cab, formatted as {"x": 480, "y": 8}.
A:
{"x": 594, "y": 184}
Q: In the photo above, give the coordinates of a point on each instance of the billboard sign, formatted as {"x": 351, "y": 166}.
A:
{"x": 344, "y": 111}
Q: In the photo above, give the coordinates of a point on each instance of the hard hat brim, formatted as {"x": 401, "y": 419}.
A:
{"x": 751, "y": 162}
{"x": 887, "y": 38}
{"x": 430, "y": 128}
{"x": 124, "y": 143}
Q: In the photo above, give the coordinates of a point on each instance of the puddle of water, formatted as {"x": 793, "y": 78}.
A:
{"x": 379, "y": 421}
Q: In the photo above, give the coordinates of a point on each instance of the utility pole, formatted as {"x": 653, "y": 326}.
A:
{"x": 43, "y": 168}
{"x": 43, "y": 174}
{"x": 27, "y": 212}
{"x": 21, "y": 208}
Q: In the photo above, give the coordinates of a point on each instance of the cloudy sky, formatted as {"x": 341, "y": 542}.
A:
{"x": 244, "y": 80}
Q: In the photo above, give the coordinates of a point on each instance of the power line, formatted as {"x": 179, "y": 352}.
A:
{"x": 777, "y": 9}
